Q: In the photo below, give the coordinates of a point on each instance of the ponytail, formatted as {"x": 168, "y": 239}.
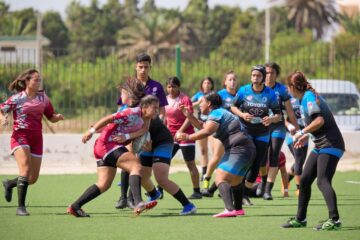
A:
{"x": 19, "y": 84}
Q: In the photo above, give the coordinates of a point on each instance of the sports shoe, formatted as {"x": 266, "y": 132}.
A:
{"x": 142, "y": 206}
{"x": 8, "y": 190}
{"x": 206, "y": 193}
{"x": 21, "y": 211}
{"x": 130, "y": 203}
{"x": 240, "y": 212}
{"x": 246, "y": 201}
{"x": 328, "y": 225}
{"x": 188, "y": 209}
{"x": 161, "y": 190}
{"x": 260, "y": 190}
{"x": 122, "y": 203}
{"x": 282, "y": 187}
{"x": 206, "y": 184}
{"x": 195, "y": 195}
{"x": 156, "y": 197}
{"x": 77, "y": 212}
{"x": 226, "y": 213}
{"x": 267, "y": 196}
{"x": 294, "y": 223}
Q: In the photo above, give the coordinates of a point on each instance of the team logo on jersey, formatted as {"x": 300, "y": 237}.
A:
{"x": 264, "y": 99}
{"x": 154, "y": 91}
{"x": 256, "y": 111}
{"x": 249, "y": 97}
{"x": 310, "y": 106}
{"x": 228, "y": 100}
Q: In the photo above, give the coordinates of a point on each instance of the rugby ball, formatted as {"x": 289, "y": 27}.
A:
{"x": 138, "y": 143}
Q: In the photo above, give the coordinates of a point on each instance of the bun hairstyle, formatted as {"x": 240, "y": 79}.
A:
{"x": 299, "y": 81}
{"x": 260, "y": 68}
{"x": 214, "y": 99}
{"x": 19, "y": 84}
{"x": 135, "y": 89}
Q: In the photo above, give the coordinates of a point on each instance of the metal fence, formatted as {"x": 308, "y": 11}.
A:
{"x": 83, "y": 85}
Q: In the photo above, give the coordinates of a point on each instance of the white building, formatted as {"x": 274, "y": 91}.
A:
{"x": 20, "y": 49}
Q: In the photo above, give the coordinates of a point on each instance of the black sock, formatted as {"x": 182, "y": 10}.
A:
{"x": 204, "y": 169}
{"x": 180, "y": 196}
{"x": 263, "y": 180}
{"x": 92, "y": 192}
{"x": 226, "y": 195}
{"x": 13, "y": 182}
{"x": 22, "y": 186}
{"x": 246, "y": 191}
{"x": 197, "y": 190}
{"x": 124, "y": 183}
{"x": 135, "y": 187}
{"x": 213, "y": 188}
{"x": 152, "y": 193}
{"x": 268, "y": 187}
{"x": 291, "y": 177}
{"x": 238, "y": 192}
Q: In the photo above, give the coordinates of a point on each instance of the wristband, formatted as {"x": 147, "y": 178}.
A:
{"x": 127, "y": 136}
{"x": 92, "y": 130}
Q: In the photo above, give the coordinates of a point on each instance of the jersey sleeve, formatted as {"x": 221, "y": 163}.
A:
{"x": 311, "y": 105}
{"x": 49, "y": 109}
{"x": 285, "y": 95}
{"x": 161, "y": 96}
{"x": 195, "y": 98}
{"x": 215, "y": 116}
{"x": 238, "y": 99}
{"x": 10, "y": 104}
{"x": 188, "y": 104}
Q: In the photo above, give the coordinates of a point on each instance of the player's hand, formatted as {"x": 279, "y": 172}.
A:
{"x": 120, "y": 138}
{"x": 266, "y": 121}
{"x": 247, "y": 117}
{"x": 301, "y": 141}
{"x": 181, "y": 136}
{"x": 86, "y": 137}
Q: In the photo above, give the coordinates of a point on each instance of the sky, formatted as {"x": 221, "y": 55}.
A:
{"x": 60, "y": 5}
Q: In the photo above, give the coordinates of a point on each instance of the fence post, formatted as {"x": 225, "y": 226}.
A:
{"x": 178, "y": 60}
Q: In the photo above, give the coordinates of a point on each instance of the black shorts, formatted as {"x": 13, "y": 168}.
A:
{"x": 112, "y": 158}
{"x": 188, "y": 152}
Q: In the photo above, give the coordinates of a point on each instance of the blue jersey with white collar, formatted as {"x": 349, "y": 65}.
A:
{"x": 257, "y": 104}
{"x": 227, "y": 98}
{"x": 328, "y": 135}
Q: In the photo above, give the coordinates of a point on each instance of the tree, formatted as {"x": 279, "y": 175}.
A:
{"x": 149, "y": 6}
{"x": 313, "y": 14}
{"x": 351, "y": 23}
{"x": 196, "y": 12}
{"x": 55, "y": 30}
{"x": 17, "y": 23}
{"x": 131, "y": 10}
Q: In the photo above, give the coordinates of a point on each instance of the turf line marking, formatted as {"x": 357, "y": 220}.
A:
{"x": 353, "y": 182}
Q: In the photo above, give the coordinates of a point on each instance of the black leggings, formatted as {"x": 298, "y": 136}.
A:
{"x": 321, "y": 166}
{"x": 273, "y": 152}
{"x": 253, "y": 172}
{"x": 299, "y": 155}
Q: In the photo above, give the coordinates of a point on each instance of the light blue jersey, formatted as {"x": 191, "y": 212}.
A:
{"x": 226, "y": 98}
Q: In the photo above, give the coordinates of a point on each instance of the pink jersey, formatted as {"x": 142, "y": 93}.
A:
{"x": 27, "y": 113}
{"x": 174, "y": 117}
{"x": 126, "y": 121}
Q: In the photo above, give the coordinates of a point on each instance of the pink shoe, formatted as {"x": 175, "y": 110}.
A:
{"x": 226, "y": 213}
{"x": 240, "y": 212}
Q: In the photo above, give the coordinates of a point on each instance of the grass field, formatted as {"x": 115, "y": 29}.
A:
{"x": 49, "y": 198}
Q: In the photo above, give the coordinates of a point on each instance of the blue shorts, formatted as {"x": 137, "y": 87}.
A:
{"x": 237, "y": 163}
{"x": 279, "y": 132}
{"x": 331, "y": 151}
{"x": 161, "y": 153}
{"x": 262, "y": 138}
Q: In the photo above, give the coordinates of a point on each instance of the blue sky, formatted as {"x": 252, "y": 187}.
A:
{"x": 60, "y": 5}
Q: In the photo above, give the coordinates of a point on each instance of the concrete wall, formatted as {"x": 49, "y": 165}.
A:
{"x": 65, "y": 153}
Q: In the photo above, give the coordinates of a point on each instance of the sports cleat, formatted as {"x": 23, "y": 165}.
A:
{"x": 21, "y": 211}
{"x": 161, "y": 190}
{"x": 206, "y": 193}
{"x": 8, "y": 190}
{"x": 328, "y": 225}
{"x": 240, "y": 212}
{"x": 267, "y": 196}
{"x": 206, "y": 184}
{"x": 122, "y": 203}
{"x": 260, "y": 190}
{"x": 246, "y": 201}
{"x": 144, "y": 206}
{"x": 226, "y": 213}
{"x": 294, "y": 223}
{"x": 195, "y": 195}
{"x": 77, "y": 212}
{"x": 130, "y": 203}
{"x": 188, "y": 209}
{"x": 156, "y": 197}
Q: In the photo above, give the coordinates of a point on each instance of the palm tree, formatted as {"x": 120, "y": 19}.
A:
{"x": 351, "y": 23}
{"x": 313, "y": 14}
{"x": 157, "y": 35}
